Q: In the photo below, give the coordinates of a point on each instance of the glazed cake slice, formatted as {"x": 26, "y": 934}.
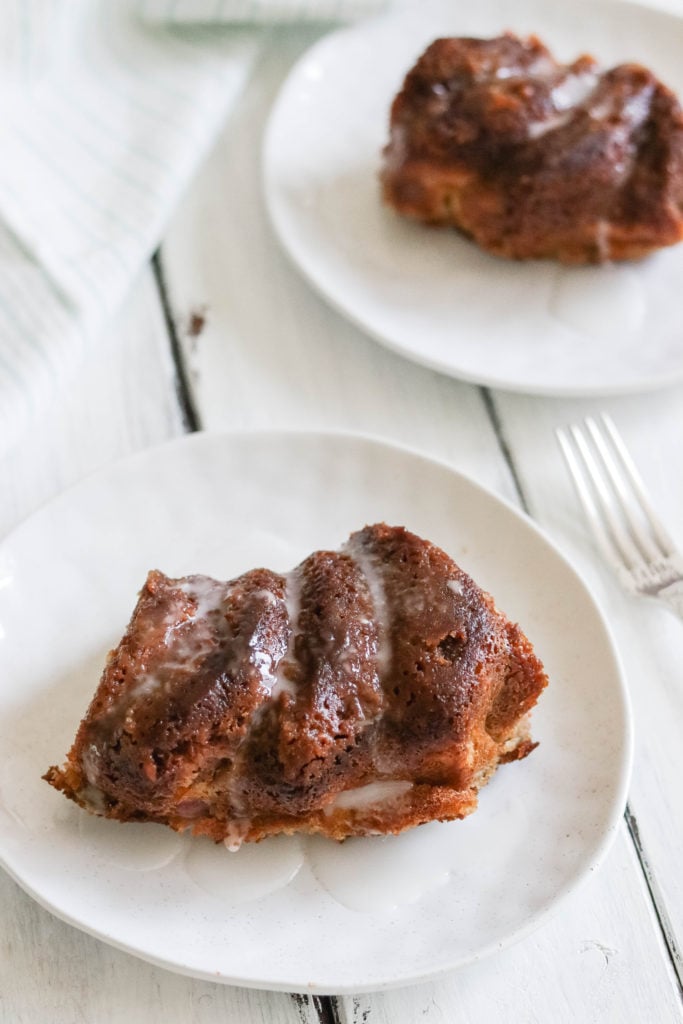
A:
{"x": 367, "y": 691}
{"x": 533, "y": 158}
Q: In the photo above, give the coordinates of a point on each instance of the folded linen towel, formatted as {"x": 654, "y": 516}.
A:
{"x": 107, "y": 109}
{"x": 254, "y": 11}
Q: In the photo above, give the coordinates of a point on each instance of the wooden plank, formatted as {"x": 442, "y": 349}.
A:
{"x": 123, "y": 400}
{"x": 271, "y": 354}
{"x": 649, "y": 637}
{"x": 51, "y": 972}
{"x": 593, "y": 962}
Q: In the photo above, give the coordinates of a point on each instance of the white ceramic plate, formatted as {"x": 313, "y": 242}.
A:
{"x": 297, "y": 915}
{"x": 430, "y": 294}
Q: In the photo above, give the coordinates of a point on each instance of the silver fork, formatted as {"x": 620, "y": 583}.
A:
{"x": 625, "y": 527}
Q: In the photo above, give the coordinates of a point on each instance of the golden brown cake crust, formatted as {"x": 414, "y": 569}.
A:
{"x": 532, "y": 158}
{"x": 369, "y": 690}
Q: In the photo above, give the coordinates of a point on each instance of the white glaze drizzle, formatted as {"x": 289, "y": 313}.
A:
{"x": 374, "y": 794}
{"x": 367, "y": 564}
{"x": 249, "y": 872}
{"x": 282, "y": 683}
{"x": 602, "y": 240}
{"x": 190, "y": 646}
{"x": 573, "y": 89}
{"x": 208, "y": 595}
{"x": 144, "y": 847}
{"x": 537, "y": 129}
{"x": 236, "y": 830}
{"x": 565, "y": 96}
{"x": 91, "y": 793}
{"x": 375, "y": 874}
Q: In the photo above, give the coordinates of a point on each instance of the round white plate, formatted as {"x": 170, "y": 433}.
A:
{"x": 428, "y": 293}
{"x": 219, "y": 505}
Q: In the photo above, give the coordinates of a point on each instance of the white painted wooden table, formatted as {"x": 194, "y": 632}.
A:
{"x": 271, "y": 354}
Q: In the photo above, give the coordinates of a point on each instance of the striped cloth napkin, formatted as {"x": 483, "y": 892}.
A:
{"x": 108, "y": 108}
{"x": 254, "y": 11}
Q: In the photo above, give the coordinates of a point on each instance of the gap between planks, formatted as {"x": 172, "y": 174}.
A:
{"x": 188, "y": 408}
{"x": 653, "y": 888}
{"x": 327, "y": 1007}
{"x": 657, "y": 899}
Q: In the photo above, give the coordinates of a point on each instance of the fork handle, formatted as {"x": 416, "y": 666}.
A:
{"x": 673, "y": 596}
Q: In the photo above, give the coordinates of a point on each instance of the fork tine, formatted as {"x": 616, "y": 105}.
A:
{"x": 585, "y": 497}
{"x": 663, "y": 538}
{"x": 644, "y": 542}
{"x": 628, "y": 552}
{"x": 613, "y": 498}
